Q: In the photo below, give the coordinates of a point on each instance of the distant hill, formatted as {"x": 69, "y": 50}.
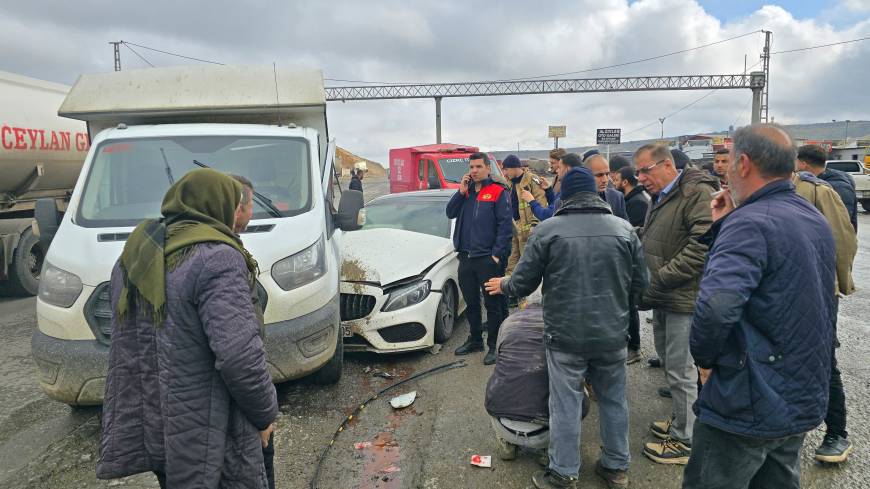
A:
{"x": 346, "y": 159}
{"x": 799, "y": 132}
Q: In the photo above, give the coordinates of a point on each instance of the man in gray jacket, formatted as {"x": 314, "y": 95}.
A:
{"x": 591, "y": 263}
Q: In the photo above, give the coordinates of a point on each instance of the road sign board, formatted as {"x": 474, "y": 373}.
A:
{"x": 557, "y": 132}
{"x": 608, "y": 136}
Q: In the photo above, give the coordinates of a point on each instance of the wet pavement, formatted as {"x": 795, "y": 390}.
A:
{"x": 427, "y": 445}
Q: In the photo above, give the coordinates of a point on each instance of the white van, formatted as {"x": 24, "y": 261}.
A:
{"x": 153, "y": 126}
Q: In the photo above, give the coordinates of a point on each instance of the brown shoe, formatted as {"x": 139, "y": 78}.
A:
{"x": 615, "y": 478}
{"x": 669, "y": 452}
{"x": 660, "y": 429}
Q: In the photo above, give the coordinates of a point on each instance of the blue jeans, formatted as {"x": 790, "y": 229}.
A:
{"x": 606, "y": 373}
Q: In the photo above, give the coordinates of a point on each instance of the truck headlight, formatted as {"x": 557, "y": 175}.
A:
{"x": 302, "y": 268}
{"x": 407, "y": 296}
{"x": 59, "y": 287}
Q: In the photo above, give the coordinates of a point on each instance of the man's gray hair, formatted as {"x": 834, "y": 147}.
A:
{"x": 658, "y": 151}
{"x": 249, "y": 187}
{"x": 772, "y": 159}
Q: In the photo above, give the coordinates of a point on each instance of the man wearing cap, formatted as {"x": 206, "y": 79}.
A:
{"x": 585, "y": 323}
{"x": 521, "y": 181}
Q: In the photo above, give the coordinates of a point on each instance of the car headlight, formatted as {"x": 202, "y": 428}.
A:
{"x": 59, "y": 287}
{"x": 407, "y": 295}
{"x": 302, "y": 268}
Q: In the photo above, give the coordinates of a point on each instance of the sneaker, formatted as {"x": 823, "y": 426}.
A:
{"x": 660, "y": 429}
{"x": 669, "y": 451}
{"x": 506, "y": 449}
{"x": 654, "y": 362}
{"x": 834, "y": 449}
{"x": 633, "y": 357}
{"x": 470, "y": 346}
{"x": 547, "y": 479}
{"x": 615, "y": 478}
{"x": 489, "y": 359}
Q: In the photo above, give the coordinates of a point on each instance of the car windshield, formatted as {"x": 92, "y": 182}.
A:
{"x": 846, "y": 166}
{"x": 128, "y": 178}
{"x": 455, "y": 168}
{"x": 427, "y": 217}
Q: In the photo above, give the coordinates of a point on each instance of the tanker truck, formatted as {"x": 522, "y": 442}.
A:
{"x": 41, "y": 155}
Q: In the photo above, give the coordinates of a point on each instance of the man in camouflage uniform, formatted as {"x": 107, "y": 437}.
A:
{"x": 524, "y": 220}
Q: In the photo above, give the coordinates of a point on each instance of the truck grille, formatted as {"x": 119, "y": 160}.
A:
{"x": 403, "y": 333}
{"x": 356, "y": 306}
{"x": 98, "y": 313}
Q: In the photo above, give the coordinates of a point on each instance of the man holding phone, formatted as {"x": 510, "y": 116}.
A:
{"x": 484, "y": 227}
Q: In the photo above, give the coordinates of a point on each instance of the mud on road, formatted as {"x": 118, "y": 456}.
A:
{"x": 44, "y": 444}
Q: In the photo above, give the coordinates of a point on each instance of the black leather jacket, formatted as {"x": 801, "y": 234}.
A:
{"x": 591, "y": 263}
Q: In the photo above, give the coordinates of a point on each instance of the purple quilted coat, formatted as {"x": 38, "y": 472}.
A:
{"x": 190, "y": 397}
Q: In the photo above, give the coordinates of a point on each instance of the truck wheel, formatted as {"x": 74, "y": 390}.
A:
{"x": 26, "y": 265}
{"x": 866, "y": 205}
{"x": 445, "y": 318}
{"x": 331, "y": 372}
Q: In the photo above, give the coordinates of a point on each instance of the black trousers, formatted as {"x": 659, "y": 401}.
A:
{"x": 268, "y": 461}
{"x": 633, "y": 327}
{"x": 473, "y": 273}
{"x": 835, "y": 420}
{"x": 722, "y": 460}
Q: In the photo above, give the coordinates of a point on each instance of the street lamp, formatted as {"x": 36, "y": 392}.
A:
{"x": 662, "y": 120}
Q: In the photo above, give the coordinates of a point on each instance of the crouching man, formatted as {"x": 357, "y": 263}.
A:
{"x": 518, "y": 391}
{"x": 586, "y": 322}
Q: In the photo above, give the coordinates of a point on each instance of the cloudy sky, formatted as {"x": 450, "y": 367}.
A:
{"x": 469, "y": 40}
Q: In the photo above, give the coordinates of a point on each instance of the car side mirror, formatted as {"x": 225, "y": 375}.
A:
{"x": 434, "y": 183}
{"x": 47, "y": 221}
{"x": 349, "y": 206}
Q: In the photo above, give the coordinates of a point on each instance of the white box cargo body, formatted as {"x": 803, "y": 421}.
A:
{"x": 149, "y": 127}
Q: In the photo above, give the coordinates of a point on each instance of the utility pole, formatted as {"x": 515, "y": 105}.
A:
{"x": 117, "y": 46}
{"x": 846, "y": 139}
{"x": 662, "y": 120}
{"x": 438, "y": 120}
{"x": 765, "y": 57}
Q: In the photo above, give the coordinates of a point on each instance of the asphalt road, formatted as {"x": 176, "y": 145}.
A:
{"x": 428, "y": 445}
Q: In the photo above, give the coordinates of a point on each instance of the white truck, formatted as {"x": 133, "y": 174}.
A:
{"x": 41, "y": 155}
{"x": 149, "y": 127}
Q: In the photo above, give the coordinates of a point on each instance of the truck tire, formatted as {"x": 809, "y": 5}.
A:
{"x": 331, "y": 372}
{"x": 866, "y": 205}
{"x": 26, "y": 266}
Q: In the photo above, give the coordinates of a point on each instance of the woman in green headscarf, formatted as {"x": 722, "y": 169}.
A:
{"x": 188, "y": 393}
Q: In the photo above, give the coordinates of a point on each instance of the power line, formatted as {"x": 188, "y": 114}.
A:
{"x": 588, "y": 70}
{"x": 137, "y": 54}
{"x": 173, "y": 54}
{"x": 822, "y": 45}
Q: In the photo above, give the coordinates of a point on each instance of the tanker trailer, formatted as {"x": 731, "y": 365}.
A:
{"x": 41, "y": 155}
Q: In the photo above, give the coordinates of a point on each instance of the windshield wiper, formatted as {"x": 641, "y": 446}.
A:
{"x": 261, "y": 199}
{"x": 168, "y": 169}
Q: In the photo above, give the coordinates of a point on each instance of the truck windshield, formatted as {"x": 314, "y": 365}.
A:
{"x": 453, "y": 168}
{"x": 128, "y": 178}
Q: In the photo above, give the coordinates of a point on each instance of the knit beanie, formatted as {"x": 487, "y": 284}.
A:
{"x": 578, "y": 180}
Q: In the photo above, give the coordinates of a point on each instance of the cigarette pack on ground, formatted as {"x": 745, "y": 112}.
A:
{"x": 481, "y": 460}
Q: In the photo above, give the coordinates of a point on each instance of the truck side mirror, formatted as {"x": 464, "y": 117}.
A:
{"x": 47, "y": 221}
{"x": 347, "y": 217}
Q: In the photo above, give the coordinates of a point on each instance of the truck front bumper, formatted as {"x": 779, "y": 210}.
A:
{"x": 74, "y": 371}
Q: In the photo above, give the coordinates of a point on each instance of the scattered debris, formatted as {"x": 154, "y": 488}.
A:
{"x": 481, "y": 460}
{"x": 382, "y": 374}
{"x": 367, "y": 370}
{"x": 403, "y": 401}
{"x": 361, "y": 445}
{"x": 392, "y": 469}
{"x": 435, "y": 349}
{"x": 86, "y": 457}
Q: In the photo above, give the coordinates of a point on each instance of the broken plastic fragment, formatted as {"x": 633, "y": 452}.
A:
{"x": 361, "y": 445}
{"x": 404, "y": 400}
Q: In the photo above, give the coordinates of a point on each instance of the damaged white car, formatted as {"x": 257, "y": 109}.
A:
{"x": 399, "y": 276}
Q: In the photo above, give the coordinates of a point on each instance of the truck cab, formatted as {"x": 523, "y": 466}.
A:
{"x": 433, "y": 166}
{"x": 232, "y": 119}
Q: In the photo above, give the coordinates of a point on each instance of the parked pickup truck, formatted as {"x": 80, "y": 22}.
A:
{"x": 862, "y": 179}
